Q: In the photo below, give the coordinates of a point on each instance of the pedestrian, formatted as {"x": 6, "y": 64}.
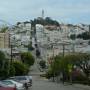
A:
{"x": 26, "y": 86}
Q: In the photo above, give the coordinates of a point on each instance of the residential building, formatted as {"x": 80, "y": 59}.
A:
{"x": 4, "y": 40}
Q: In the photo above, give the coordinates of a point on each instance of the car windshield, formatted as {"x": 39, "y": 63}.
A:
{"x": 7, "y": 82}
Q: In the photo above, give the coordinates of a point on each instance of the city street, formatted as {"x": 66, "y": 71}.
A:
{"x": 43, "y": 84}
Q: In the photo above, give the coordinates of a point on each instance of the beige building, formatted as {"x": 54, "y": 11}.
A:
{"x": 4, "y": 40}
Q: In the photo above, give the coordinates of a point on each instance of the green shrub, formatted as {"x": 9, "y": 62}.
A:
{"x": 11, "y": 71}
{"x": 3, "y": 74}
{"x": 20, "y": 68}
{"x": 27, "y": 58}
{"x": 49, "y": 73}
{"x": 68, "y": 63}
{"x": 4, "y": 66}
{"x": 81, "y": 79}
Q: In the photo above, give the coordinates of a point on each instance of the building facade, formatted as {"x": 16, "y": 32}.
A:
{"x": 4, "y": 40}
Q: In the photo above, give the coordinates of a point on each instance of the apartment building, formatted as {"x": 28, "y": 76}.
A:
{"x": 4, "y": 40}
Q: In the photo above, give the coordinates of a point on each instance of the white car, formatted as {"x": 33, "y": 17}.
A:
{"x": 12, "y": 83}
{"x": 23, "y": 79}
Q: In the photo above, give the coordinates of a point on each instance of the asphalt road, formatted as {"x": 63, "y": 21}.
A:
{"x": 44, "y": 84}
{"x": 40, "y": 83}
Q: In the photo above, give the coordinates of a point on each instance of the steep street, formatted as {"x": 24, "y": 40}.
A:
{"x": 40, "y": 83}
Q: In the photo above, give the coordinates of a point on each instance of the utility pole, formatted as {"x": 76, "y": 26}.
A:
{"x": 11, "y": 53}
{"x": 63, "y": 49}
{"x": 53, "y": 51}
{"x": 52, "y": 46}
{"x": 10, "y": 45}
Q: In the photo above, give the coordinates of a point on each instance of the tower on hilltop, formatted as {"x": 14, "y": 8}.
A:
{"x": 42, "y": 13}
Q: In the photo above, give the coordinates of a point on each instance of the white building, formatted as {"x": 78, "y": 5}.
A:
{"x": 21, "y": 35}
{"x": 45, "y": 38}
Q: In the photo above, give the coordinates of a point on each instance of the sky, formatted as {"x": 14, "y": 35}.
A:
{"x": 64, "y": 11}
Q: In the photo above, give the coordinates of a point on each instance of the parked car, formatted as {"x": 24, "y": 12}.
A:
{"x": 12, "y": 83}
{"x": 7, "y": 88}
{"x": 5, "y": 83}
{"x": 23, "y": 79}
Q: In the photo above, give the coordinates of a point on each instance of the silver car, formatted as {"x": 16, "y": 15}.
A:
{"x": 23, "y": 79}
{"x": 12, "y": 83}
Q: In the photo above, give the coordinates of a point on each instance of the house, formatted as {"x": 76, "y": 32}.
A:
{"x": 4, "y": 40}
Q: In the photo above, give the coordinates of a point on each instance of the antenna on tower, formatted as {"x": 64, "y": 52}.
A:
{"x": 42, "y": 14}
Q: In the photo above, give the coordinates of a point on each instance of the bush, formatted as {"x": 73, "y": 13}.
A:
{"x": 11, "y": 71}
{"x": 3, "y": 74}
{"x": 27, "y": 58}
{"x": 68, "y": 63}
{"x": 84, "y": 35}
{"x": 20, "y": 68}
{"x": 81, "y": 79}
{"x": 4, "y": 69}
{"x": 73, "y": 36}
{"x": 49, "y": 74}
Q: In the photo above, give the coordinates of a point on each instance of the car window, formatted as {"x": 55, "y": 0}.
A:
{"x": 7, "y": 82}
{"x": 21, "y": 78}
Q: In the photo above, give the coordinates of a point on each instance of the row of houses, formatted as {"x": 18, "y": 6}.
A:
{"x": 16, "y": 38}
{"x": 53, "y": 42}
{"x": 20, "y": 36}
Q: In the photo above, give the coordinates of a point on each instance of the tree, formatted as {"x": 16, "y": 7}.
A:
{"x": 20, "y": 68}
{"x": 69, "y": 63}
{"x": 55, "y": 68}
{"x": 79, "y": 59}
{"x": 46, "y": 21}
{"x": 2, "y": 60}
{"x": 73, "y": 36}
{"x": 11, "y": 70}
{"x": 18, "y": 23}
{"x": 88, "y": 42}
{"x": 30, "y": 47}
{"x": 49, "y": 21}
{"x": 85, "y": 35}
{"x": 4, "y": 66}
{"x": 27, "y": 58}
{"x": 4, "y": 29}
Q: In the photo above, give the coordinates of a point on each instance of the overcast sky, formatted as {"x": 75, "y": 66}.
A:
{"x": 67, "y": 11}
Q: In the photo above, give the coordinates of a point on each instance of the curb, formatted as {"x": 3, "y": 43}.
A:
{"x": 84, "y": 87}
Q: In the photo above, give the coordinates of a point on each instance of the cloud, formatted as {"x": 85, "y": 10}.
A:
{"x": 65, "y": 10}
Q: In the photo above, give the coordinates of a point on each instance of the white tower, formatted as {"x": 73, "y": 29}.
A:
{"x": 42, "y": 13}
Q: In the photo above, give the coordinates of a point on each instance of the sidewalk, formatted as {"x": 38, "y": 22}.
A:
{"x": 83, "y": 87}
{"x": 78, "y": 86}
